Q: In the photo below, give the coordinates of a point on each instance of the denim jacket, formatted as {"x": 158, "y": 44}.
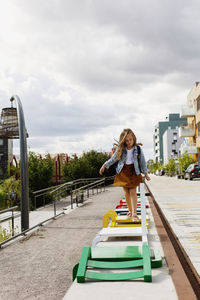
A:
{"x": 122, "y": 161}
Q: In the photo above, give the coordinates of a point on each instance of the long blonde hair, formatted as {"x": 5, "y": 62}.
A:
{"x": 122, "y": 143}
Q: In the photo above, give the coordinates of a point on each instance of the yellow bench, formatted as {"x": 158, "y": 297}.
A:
{"x": 121, "y": 221}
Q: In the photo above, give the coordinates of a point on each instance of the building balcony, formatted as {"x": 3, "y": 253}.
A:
{"x": 189, "y": 148}
{"x": 187, "y": 111}
{"x": 186, "y": 131}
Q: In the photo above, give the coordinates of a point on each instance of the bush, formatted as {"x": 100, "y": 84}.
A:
{"x": 40, "y": 173}
{"x": 154, "y": 166}
{"x": 171, "y": 167}
{"x": 7, "y": 188}
{"x": 185, "y": 161}
{"x": 3, "y": 199}
{"x": 5, "y": 233}
{"x": 87, "y": 166}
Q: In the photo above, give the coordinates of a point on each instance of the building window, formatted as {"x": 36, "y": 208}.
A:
{"x": 175, "y": 136}
{"x": 1, "y": 142}
{"x": 198, "y": 103}
{"x": 198, "y": 127}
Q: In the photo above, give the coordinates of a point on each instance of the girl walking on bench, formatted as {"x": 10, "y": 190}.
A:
{"x": 131, "y": 163}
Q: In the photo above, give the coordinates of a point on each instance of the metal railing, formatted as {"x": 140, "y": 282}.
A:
{"x": 72, "y": 190}
{"x": 51, "y": 194}
{"x": 77, "y": 194}
{"x": 27, "y": 230}
{"x": 42, "y": 193}
{"x": 86, "y": 188}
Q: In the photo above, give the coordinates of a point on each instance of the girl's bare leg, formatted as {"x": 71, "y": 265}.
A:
{"x": 133, "y": 196}
{"x": 128, "y": 198}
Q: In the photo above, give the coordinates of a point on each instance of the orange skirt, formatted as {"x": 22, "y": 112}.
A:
{"x": 127, "y": 177}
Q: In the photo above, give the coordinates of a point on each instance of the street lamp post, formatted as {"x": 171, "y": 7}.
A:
{"x": 23, "y": 164}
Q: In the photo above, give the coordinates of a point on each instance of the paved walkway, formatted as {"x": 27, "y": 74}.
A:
{"x": 39, "y": 267}
{"x": 35, "y": 217}
{"x": 180, "y": 201}
{"x": 161, "y": 287}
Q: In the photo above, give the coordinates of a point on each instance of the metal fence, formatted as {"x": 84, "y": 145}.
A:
{"x": 70, "y": 193}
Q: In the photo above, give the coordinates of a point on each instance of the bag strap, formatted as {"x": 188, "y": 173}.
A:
{"x": 139, "y": 152}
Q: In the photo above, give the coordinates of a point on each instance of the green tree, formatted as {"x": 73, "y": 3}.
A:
{"x": 87, "y": 166}
{"x": 185, "y": 161}
{"x": 40, "y": 172}
{"x": 171, "y": 167}
{"x": 3, "y": 199}
{"x": 154, "y": 166}
{"x": 9, "y": 192}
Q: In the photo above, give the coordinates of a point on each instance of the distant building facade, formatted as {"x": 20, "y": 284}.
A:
{"x": 191, "y": 132}
{"x": 6, "y": 152}
{"x": 173, "y": 121}
{"x": 171, "y": 144}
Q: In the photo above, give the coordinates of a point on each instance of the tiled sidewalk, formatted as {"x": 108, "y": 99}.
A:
{"x": 180, "y": 201}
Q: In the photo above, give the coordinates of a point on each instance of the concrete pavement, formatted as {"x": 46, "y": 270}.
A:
{"x": 180, "y": 201}
{"x": 40, "y": 266}
{"x": 161, "y": 287}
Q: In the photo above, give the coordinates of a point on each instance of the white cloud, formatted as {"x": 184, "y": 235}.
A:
{"x": 84, "y": 70}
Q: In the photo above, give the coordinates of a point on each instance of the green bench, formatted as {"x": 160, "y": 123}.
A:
{"x": 93, "y": 259}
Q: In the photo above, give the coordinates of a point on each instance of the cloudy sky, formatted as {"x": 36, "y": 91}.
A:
{"x": 86, "y": 69}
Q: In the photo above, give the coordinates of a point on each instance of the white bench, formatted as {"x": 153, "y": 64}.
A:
{"x": 126, "y": 231}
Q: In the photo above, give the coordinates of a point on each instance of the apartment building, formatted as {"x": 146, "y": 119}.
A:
{"x": 173, "y": 121}
{"x": 171, "y": 144}
{"x": 191, "y": 131}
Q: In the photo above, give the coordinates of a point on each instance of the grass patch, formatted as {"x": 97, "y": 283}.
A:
{"x": 6, "y": 233}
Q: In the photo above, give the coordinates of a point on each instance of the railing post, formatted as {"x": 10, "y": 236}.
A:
{"x": 54, "y": 207}
{"x": 71, "y": 198}
{"x": 35, "y": 202}
{"x": 88, "y": 192}
{"x": 13, "y": 229}
{"x": 104, "y": 184}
